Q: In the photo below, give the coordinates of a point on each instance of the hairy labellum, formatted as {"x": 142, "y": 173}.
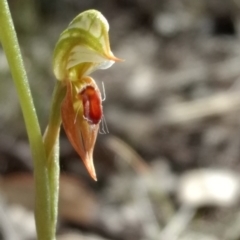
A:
{"x": 92, "y": 104}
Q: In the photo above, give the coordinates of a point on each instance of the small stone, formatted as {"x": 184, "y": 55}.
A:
{"x": 206, "y": 187}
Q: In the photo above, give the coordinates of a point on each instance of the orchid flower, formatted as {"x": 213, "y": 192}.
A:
{"x": 83, "y": 48}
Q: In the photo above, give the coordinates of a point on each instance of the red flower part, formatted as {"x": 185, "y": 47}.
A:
{"x": 92, "y": 104}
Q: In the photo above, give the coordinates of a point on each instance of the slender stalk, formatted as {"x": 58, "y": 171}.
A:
{"x": 44, "y": 223}
{"x": 52, "y": 132}
{"x": 51, "y": 143}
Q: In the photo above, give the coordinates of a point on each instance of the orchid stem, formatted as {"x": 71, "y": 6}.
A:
{"x": 52, "y": 132}
{"x": 44, "y": 223}
{"x": 51, "y": 143}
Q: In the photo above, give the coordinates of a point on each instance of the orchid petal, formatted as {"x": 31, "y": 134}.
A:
{"x": 84, "y": 41}
{"x": 81, "y": 115}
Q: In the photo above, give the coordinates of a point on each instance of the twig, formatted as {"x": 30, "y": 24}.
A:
{"x": 217, "y": 105}
{"x": 178, "y": 223}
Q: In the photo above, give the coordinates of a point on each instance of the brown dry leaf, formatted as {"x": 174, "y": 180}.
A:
{"x": 18, "y": 189}
{"x": 77, "y": 203}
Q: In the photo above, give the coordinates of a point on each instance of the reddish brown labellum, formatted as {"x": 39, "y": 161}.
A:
{"x": 92, "y": 104}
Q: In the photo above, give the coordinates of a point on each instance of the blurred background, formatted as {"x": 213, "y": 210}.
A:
{"x": 169, "y": 167}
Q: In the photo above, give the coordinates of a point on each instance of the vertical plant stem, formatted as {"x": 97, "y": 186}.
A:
{"x": 44, "y": 222}
{"x": 51, "y": 143}
{"x": 52, "y": 131}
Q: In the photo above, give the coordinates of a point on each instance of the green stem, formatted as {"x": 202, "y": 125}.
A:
{"x": 44, "y": 223}
{"x": 51, "y": 143}
{"x": 52, "y": 132}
